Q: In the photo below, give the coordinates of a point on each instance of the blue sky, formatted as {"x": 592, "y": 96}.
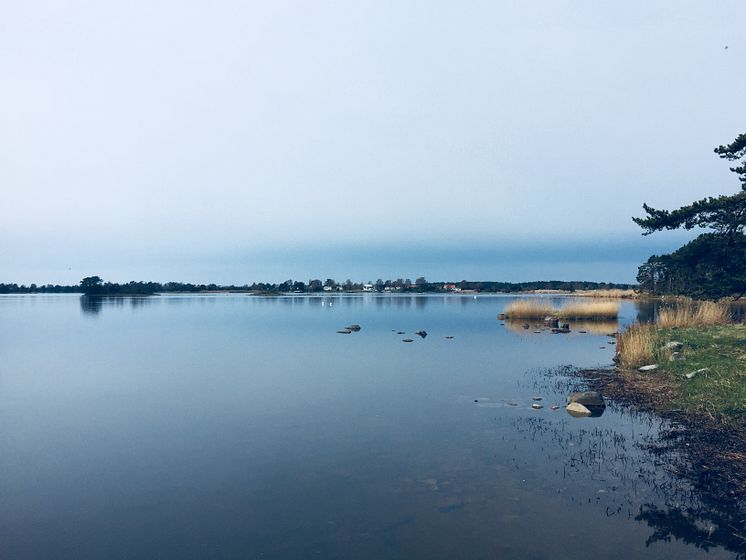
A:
{"x": 240, "y": 141}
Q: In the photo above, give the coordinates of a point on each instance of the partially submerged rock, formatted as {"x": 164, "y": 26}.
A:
{"x": 354, "y": 328}
{"x": 651, "y": 367}
{"x": 407, "y": 340}
{"x": 537, "y": 406}
{"x": 587, "y": 398}
{"x": 586, "y": 403}
{"x": 423, "y": 334}
{"x": 344, "y": 331}
{"x": 578, "y": 410}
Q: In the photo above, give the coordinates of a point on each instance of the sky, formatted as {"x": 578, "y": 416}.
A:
{"x": 235, "y": 141}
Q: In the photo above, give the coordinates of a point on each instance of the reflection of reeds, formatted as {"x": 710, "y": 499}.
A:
{"x": 528, "y": 309}
{"x": 636, "y": 345}
{"x": 588, "y": 326}
{"x": 690, "y": 314}
{"x": 590, "y": 310}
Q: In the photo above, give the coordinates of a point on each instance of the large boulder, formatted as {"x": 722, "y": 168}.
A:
{"x": 589, "y": 399}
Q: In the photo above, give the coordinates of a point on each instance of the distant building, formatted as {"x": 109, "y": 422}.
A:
{"x": 367, "y": 287}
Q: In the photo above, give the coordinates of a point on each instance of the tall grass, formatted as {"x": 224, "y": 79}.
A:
{"x": 600, "y": 310}
{"x": 612, "y": 293}
{"x": 528, "y": 309}
{"x": 693, "y": 314}
{"x": 636, "y": 346}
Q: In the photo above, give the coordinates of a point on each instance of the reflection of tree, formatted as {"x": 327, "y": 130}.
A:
{"x": 703, "y": 527}
{"x": 91, "y": 305}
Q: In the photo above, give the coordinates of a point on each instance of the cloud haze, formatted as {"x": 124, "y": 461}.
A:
{"x": 184, "y": 138}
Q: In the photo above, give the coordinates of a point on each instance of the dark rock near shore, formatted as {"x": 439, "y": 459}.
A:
{"x": 344, "y": 331}
{"x": 589, "y": 399}
{"x": 423, "y": 334}
{"x": 407, "y": 340}
{"x": 353, "y": 328}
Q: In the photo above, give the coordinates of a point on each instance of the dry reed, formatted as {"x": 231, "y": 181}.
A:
{"x": 528, "y": 309}
{"x": 613, "y": 293}
{"x": 691, "y": 314}
{"x": 636, "y": 346}
{"x": 599, "y": 310}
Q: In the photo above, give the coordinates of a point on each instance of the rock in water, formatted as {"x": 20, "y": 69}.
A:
{"x": 407, "y": 340}
{"x": 353, "y": 327}
{"x": 344, "y": 331}
{"x": 578, "y": 410}
{"x": 537, "y": 406}
{"x": 651, "y": 367}
{"x": 423, "y": 334}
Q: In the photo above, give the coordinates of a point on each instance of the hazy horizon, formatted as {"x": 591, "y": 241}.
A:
{"x": 247, "y": 142}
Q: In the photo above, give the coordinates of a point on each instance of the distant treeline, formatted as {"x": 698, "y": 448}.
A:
{"x": 94, "y": 285}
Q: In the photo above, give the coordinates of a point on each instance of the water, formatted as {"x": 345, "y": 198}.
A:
{"x": 230, "y": 426}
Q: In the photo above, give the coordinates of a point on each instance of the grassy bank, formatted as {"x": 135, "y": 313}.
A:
{"x": 720, "y": 350}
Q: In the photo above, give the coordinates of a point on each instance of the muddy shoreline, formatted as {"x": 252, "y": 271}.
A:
{"x": 712, "y": 451}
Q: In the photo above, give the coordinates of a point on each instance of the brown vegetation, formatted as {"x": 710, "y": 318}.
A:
{"x": 694, "y": 314}
{"x": 636, "y": 346}
{"x": 601, "y": 310}
{"x": 528, "y": 309}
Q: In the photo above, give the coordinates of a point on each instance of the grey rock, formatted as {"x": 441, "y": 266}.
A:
{"x": 537, "y": 406}
{"x": 407, "y": 340}
{"x": 588, "y": 399}
{"x": 354, "y": 328}
{"x": 344, "y": 331}
{"x": 674, "y": 346}
{"x": 578, "y": 410}
{"x": 651, "y": 367}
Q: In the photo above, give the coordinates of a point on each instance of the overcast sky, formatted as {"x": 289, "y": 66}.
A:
{"x": 237, "y": 141}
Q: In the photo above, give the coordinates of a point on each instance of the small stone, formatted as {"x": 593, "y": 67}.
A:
{"x": 582, "y": 332}
{"x": 344, "y": 331}
{"x": 407, "y": 340}
{"x": 423, "y": 334}
{"x": 691, "y": 374}
{"x": 651, "y": 367}
{"x": 537, "y": 332}
{"x": 674, "y": 346}
{"x": 537, "y": 406}
{"x": 537, "y": 398}
{"x": 354, "y": 328}
{"x": 449, "y": 338}
{"x": 554, "y": 407}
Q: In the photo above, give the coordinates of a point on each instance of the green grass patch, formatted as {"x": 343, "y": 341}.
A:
{"x": 720, "y": 391}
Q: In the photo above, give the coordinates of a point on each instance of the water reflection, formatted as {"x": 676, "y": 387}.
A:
{"x": 92, "y": 305}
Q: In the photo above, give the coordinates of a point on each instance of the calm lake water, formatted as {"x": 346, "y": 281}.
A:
{"x": 231, "y": 426}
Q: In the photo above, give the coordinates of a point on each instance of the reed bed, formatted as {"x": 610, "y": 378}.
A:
{"x": 528, "y": 309}
{"x": 636, "y": 346}
{"x": 598, "y": 310}
{"x": 614, "y": 293}
{"x": 694, "y": 314}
